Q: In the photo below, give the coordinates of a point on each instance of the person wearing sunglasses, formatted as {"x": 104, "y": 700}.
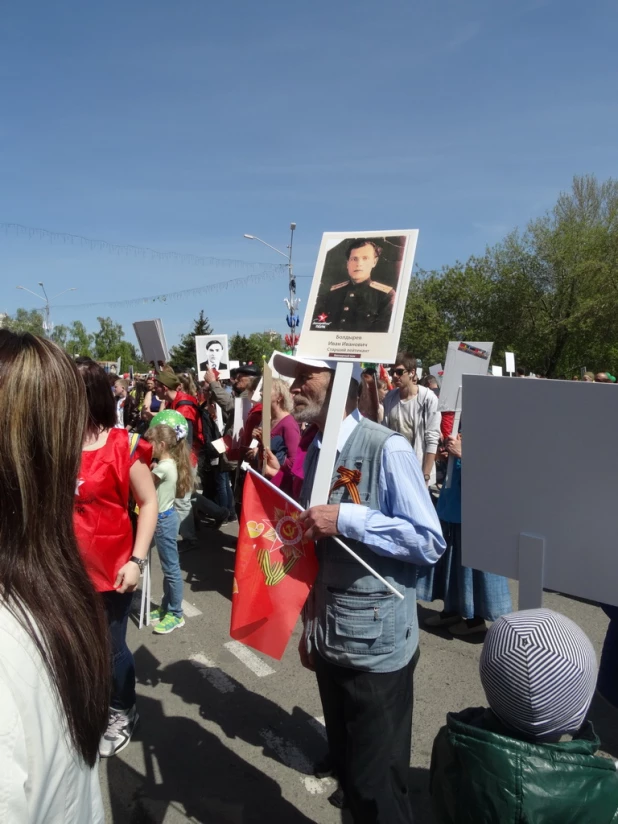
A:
{"x": 412, "y": 410}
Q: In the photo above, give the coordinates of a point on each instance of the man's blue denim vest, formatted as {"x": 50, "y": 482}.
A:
{"x": 351, "y": 618}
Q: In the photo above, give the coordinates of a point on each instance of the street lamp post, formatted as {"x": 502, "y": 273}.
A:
{"x": 292, "y": 301}
{"x": 47, "y": 324}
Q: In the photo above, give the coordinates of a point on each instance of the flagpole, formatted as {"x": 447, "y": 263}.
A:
{"x": 297, "y": 506}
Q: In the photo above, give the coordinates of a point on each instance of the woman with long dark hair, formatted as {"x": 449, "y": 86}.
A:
{"x": 54, "y": 654}
{"x": 115, "y": 468}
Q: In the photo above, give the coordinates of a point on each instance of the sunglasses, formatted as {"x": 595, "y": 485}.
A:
{"x": 398, "y": 372}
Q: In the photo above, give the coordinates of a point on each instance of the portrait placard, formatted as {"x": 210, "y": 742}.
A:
{"x": 358, "y": 295}
{"x": 151, "y": 338}
{"x": 510, "y": 509}
{"x": 462, "y": 358}
{"x": 212, "y": 353}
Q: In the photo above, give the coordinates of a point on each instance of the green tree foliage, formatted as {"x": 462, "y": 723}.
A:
{"x": 109, "y": 345}
{"x": 25, "y": 320}
{"x": 256, "y": 347}
{"x": 550, "y": 293}
{"x": 182, "y": 356}
{"x": 60, "y": 335}
{"x": 79, "y": 340}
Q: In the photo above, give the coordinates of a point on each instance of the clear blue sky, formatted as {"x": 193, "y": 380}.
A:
{"x": 182, "y": 125}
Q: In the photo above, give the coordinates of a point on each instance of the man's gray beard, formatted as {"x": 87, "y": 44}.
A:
{"x": 309, "y": 413}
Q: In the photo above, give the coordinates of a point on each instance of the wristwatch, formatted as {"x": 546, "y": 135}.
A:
{"x": 427, "y": 477}
{"x": 141, "y": 562}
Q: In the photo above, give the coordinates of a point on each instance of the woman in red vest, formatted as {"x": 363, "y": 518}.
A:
{"x": 115, "y": 467}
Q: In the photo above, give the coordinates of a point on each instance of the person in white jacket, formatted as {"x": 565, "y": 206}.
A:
{"x": 54, "y": 652}
{"x": 412, "y": 410}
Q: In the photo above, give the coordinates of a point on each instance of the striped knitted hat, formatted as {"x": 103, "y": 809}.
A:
{"x": 539, "y": 673}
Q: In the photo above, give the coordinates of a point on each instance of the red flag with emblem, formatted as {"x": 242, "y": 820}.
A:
{"x": 275, "y": 569}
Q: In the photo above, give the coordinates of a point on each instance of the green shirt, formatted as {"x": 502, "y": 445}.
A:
{"x": 167, "y": 471}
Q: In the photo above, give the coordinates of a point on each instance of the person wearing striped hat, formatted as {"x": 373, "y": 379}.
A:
{"x": 532, "y": 756}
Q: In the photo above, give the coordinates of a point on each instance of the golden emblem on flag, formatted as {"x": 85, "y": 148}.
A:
{"x": 279, "y": 543}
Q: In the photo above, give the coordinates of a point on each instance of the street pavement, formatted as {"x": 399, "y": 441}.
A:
{"x": 228, "y": 736}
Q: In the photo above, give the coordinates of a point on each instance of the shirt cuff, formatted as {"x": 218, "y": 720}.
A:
{"x": 431, "y": 449}
{"x": 351, "y": 521}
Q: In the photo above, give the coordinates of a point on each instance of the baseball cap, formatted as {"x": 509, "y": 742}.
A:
{"x": 287, "y": 365}
{"x": 168, "y": 379}
{"x": 539, "y": 672}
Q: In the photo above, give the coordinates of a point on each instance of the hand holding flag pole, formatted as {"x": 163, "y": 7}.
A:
{"x": 297, "y": 506}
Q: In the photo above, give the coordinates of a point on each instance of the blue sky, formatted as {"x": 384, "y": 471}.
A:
{"x": 182, "y": 125}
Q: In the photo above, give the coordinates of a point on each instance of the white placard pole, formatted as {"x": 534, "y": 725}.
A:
{"x": 531, "y": 561}
{"x": 328, "y": 452}
{"x": 267, "y": 391}
{"x": 454, "y": 431}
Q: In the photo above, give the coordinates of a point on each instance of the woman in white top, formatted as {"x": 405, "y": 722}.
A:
{"x": 54, "y": 655}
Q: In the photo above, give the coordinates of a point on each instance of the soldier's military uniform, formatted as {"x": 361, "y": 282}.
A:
{"x": 354, "y": 307}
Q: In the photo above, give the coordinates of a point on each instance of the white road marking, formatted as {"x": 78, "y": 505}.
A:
{"x": 212, "y": 673}
{"x": 318, "y": 725}
{"x": 295, "y": 760}
{"x": 249, "y": 659}
{"x": 189, "y": 610}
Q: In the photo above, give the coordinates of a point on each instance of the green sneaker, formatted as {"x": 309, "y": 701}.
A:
{"x": 168, "y": 624}
{"x": 157, "y": 615}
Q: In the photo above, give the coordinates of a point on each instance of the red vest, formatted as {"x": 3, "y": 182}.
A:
{"x": 101, "y": 520}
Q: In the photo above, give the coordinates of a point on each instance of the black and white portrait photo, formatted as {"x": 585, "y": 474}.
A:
{"x": 212, "y": 353}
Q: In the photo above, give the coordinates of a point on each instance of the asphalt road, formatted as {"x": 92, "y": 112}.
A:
{"x": 228, "y": 737}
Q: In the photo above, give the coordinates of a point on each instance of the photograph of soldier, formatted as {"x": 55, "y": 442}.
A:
{"x": 359, "y": 285}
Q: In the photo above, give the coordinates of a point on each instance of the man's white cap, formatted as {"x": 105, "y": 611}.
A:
{"x": 287, "y": 365}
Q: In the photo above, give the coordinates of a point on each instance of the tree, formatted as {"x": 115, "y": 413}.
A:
{"x": 60, "y": 335}
{"x": 255, "y": 348}
{"x": 79, "y": 340}
{"x": 25, "y": 320}
{"x": 550, "y": 294}
{"x": 182, "y": 356}
{"x": 107, "y": 339}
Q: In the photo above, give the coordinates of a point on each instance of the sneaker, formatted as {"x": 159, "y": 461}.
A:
{"x": 168, "y": 624}
{"x": 120, "y": 728}
{"x": 157, "y": 615}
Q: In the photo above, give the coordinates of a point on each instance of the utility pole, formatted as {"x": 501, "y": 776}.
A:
{"x": 47, "y": 323}
{"x": 292, "y": 302}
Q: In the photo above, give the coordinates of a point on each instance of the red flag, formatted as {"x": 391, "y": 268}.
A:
{"x": 275, "y": 569}
{"x": 384, "y": 376}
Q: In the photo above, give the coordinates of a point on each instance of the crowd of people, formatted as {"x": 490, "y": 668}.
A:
{"x": 126, "y": 465}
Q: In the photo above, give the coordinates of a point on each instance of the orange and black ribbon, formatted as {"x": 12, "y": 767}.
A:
{"x": 350, "y": 478}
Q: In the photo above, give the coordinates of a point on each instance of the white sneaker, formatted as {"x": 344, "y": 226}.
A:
{"x": 120, "y": 728}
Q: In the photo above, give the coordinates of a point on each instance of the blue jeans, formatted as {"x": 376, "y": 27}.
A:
{"x": 225, "y": 495}
{"x": 165, "y": 540}
{"x": 607, "y": 683}
{"x": 117, "y": 607}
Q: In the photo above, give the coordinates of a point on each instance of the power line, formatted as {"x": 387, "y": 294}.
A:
{"x": 93, "y": 244}
{"x": 233, "y": 283}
